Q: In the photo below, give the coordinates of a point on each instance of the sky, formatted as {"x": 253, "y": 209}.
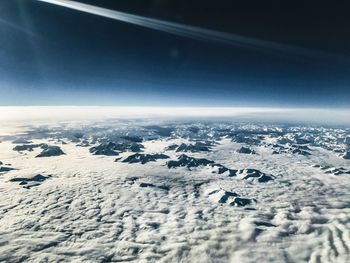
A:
{"x": 293, "y": 54}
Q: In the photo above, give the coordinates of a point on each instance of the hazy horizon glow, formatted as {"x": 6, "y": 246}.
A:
{"x": 46, "y": 114}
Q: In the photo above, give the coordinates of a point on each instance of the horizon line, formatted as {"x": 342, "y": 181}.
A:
{"x": 23, "y": 114}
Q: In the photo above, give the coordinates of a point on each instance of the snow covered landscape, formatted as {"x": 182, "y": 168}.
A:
{"x": 175, "y": 191}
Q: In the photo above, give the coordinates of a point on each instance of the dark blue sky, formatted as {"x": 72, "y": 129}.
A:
{"x": 51, "y": 55}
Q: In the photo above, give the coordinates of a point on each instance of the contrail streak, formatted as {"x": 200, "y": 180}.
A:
{"x": 16, "y": 27}
{"x": 192, "y": 31}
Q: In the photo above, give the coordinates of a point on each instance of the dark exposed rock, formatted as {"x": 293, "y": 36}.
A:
{"x": 146, "y": 185}
{"x": 131, "y": 180}
{"x": 197, "y": 186}
{"x": 222, "y": 169}
{"x": 5, "y": 169}
{"x": 51, "y": 151}
{"x": 36, "y": 178}
{"x": 189, "y": 162}
{"x": 255, "y": 174}
{"x": 136, "y": 147}
{"x": 294, "y": 149}
{"x": 28, "y": 186}
{"x": 337, "y": 171}
{"x": 21, "y": 141}
{"x": 302, "y": 141}
{"x": 238, "y": 201}
{"x": 197, "y": 147}
{"x": 28, "y": 183}
{"x": 225, "y": 197}
{"x": 162, "y": 187}
{"x": 47, "y": 151}
{"x": 193, "y": 129}
{"x": 78, "y": 135}
{"x": 301, "y": 152}
{"x": 113, "y": 149}
{"x": 29, "y": 147}
{"x": 104, "y": 149}
{"x": 161, "y": 131}
{"x": 301, "y": 147}
{"x": 221, "y": 196}
{"x": 278, "y": 149}
{"x": 144, "y": 158}
{"x": 265, "y": 178}
{"x": 347, "y": 140}
{"x": 83, "y": 143}
{"x": 74, "y": 139}
{"x": 132, "y": 138}
{"x": 263, "y": 223}
{"x": 346, "y": 156}
{"x": 171, "y": 147}
{"x": 283, "y": 140}
{"x": 332, "y": 170}
{"x": 246, "y": 150}
{"x": 246, "y": 138}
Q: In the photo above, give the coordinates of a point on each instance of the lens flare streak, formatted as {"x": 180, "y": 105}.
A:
{"x": 193, "y": 32}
